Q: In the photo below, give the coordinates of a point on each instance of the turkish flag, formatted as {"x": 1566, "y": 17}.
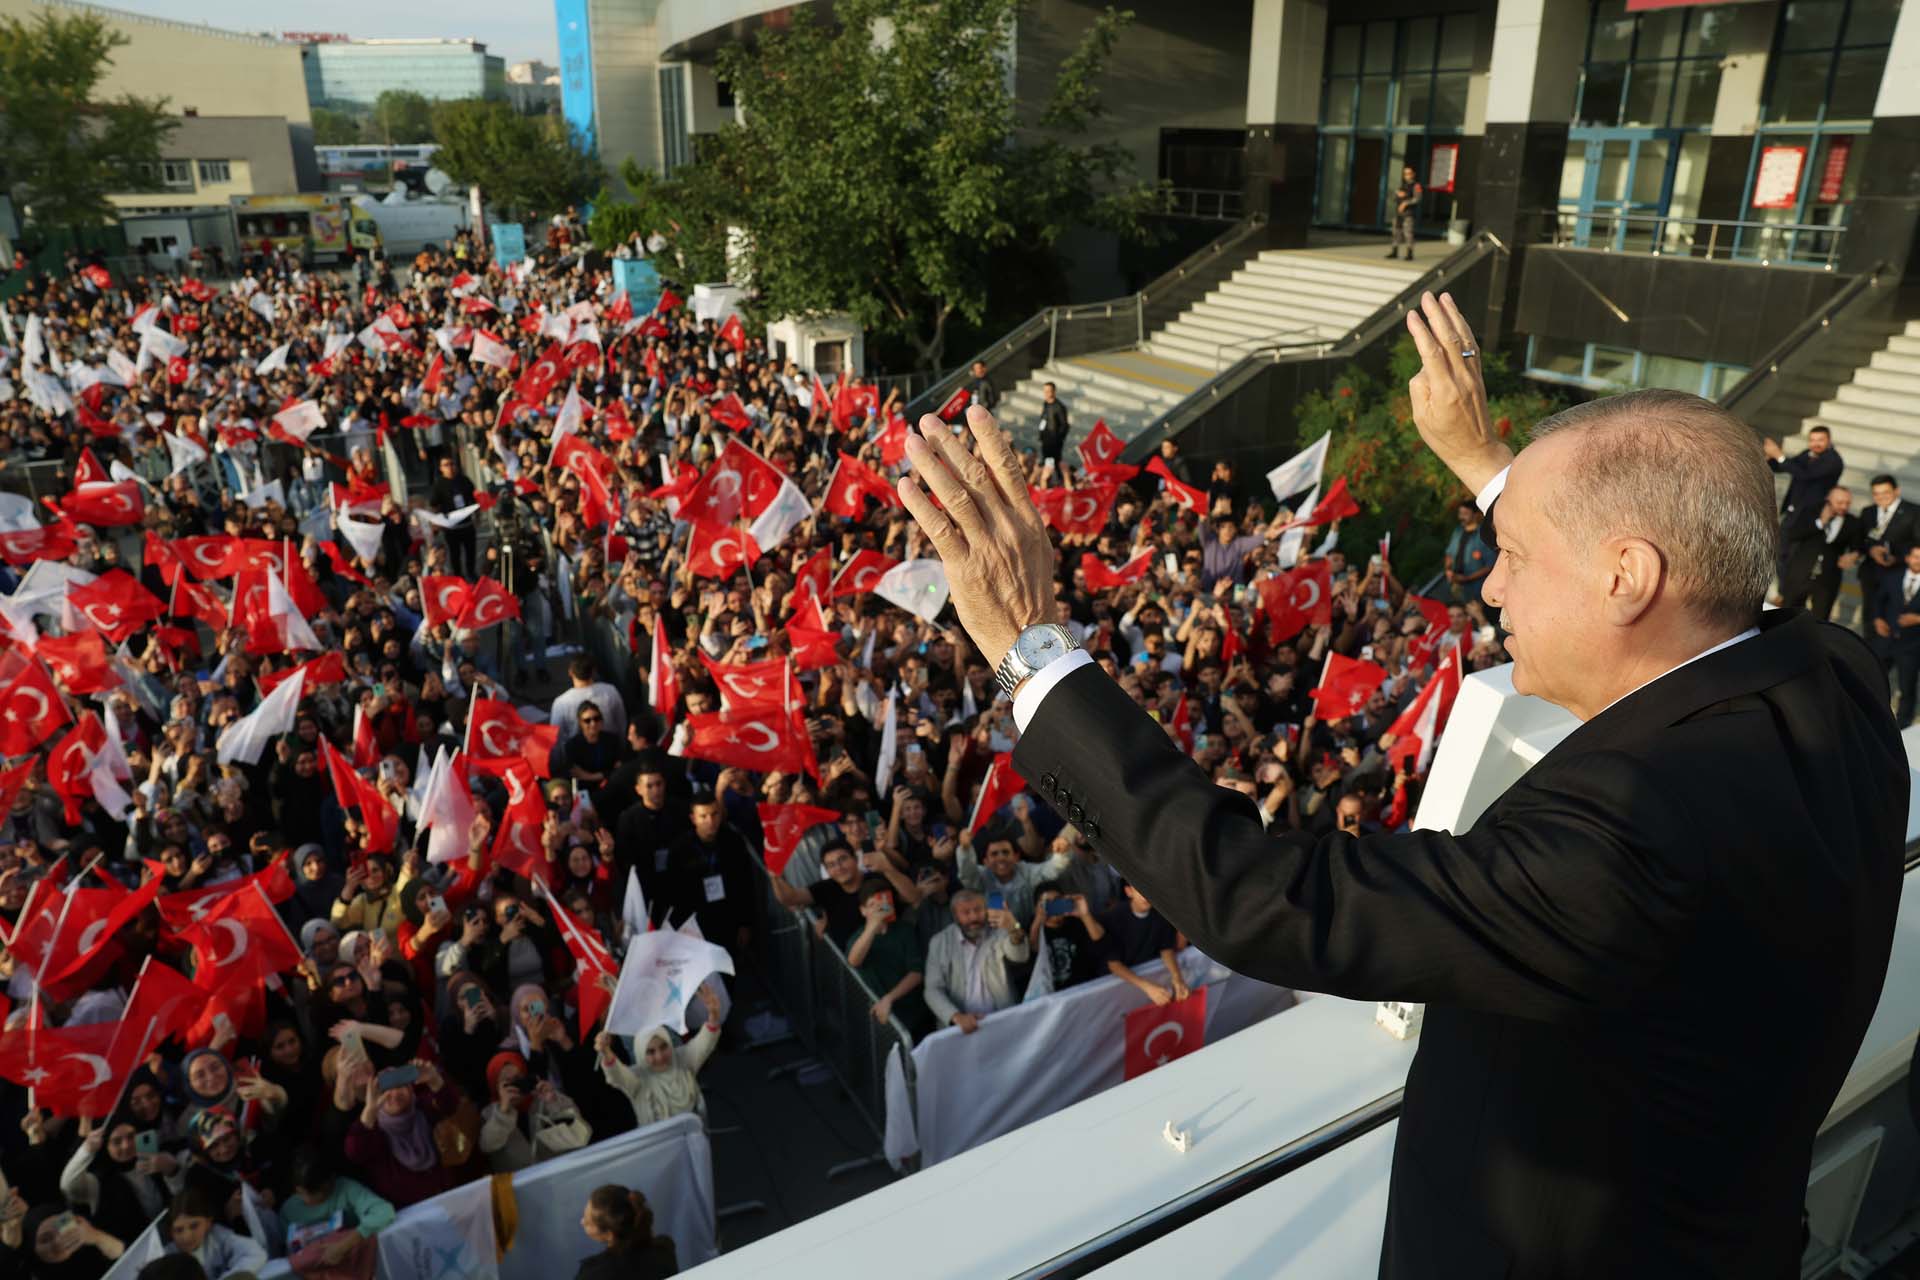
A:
{"x": 753, "y": 687}
{"x": 860, "y": 574}
{"x": 812, "y": 648}
{"x": 1297, "y": 599}
{"x": 98, "y": 276}
{"x": 328, "y": 668}
{"x": 30, "y": 706}
{"x": 618, "y": 426}
{"x": 496, "y": 734}
{"x": 94, "y": 922}
{"x": 1417, "y": 730}
{"x": 571, "y": 453}
{"x": 191, "y": 600}
{"x": 956, "y": 405}
{"x": 735, "y": 334}
{"x": 814, "y": 579}
{"x": 70, "y": 764}
{"x": 1111, "y": 472}
{"x": 78, "y": 661}
{"x": 849, "y": 399}
{"x": 264, "y": 554}
{"x": 668, "y": 301}
{"x": 1434, "y": 611}
{"x": 1178, "y": 492}
{"x": 720, "y": 552}
{"x": 852, "y": 482}
{"x": 12, "y": 780}
{"x": 540, "y": 377}
{"x": 162, "y": 999}
{"x": 1100, "y": 577}
{"x": 663, "y": 682}
{"x": 475, "y": 305}
{"x": 1183, "y": 724}
{"x": 182, "y": 910}
{"x": 488, "y": 604}
{"x": 1337, "y": 505}
{"x": 105, "y": 505}
{"x": 54, "y": 541}
{"x": 1101, "y": 445}
{"x": 116, "y": 603}
{"x": 435, "y": 371}
{"x": 1345, "y": 685}
{"x": 73, "y": 1071}
{"x": 620, "y": 310}
{"x": 783, "y": 825}
{"x": 761, "y": 741}
{"x": 1159, "y": 1033}
{"x": 595, "y": 972}
{"x": 443, "y": 598}
{"x": 893, "y": 442}
{"x": 240, "y": 940}
{"x": 1084, "y": 512}
{"x": 356, "y": 792}
{"x": 739, "y": 483}
{"x": 89, "y": 471}
{"x": 207, "y": 558}
{"x": 520, "y": 847}
{"x": 186, "y": 324}
{"x": 728, "y": 411}
{"x": 177, "y": 370}
{"x": 997, "y": 789}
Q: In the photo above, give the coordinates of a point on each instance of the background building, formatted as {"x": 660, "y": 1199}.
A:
{"x": 244, "y": 125}
{"x": 353, "y": 73}
{"x": 533, "y": 87}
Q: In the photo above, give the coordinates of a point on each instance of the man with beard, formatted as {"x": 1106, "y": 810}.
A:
{"x": 967, "y": 963}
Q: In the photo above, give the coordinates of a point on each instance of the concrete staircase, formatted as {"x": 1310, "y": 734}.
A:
{"x": 1281, "y": 296}
{"x": 1867, "y": 381}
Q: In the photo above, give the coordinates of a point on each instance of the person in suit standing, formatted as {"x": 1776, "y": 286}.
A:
{"x": 1892, "y": 526}
{"x": 981, "y": 387}
{"x": 1053, "y": 425}
{"x": 1809, "y": 476}
{"x": 1821, "y": 553}
{"x": 450, "y": 493}
{"x": 1577, "y": 1106}
{"x": 1896, "y": 623}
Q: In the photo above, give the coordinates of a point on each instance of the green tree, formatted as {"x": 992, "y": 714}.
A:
{"x": 1402, "y": 488}
{"x": 334, "y": 128}
{"x": 400, "y": 117}
{"x": 698, "y": 250}
{"x": 64, "y": 146}
{"x": 523, "y": 165}
{"x": 880, "y": 166}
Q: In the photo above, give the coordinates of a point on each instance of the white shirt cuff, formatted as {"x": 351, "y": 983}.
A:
{"x": 1491, "y": 491}
{"x": 1040, "y": 683}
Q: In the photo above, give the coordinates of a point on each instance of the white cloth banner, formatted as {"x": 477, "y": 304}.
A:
{"x": 662, "y": 972}
{"x": 1300, "y": 472}
{"x": 449, "y": 1237}
{"x": 1036, "y": 1058}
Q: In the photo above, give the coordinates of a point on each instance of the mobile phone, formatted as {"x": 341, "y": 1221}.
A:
{"x": 756, "y": 642}
{"x": 996, "y": 902}
{"x": 888, "y": 899}
{"x": 535, "y": 1008}
{"x": 916, "y": 751}
{"x": 436, "y": 903}
{"x": 63, "y": 1223}
{"x": 396, "y": 1077}
{"x": 513, "y": 910}
{"x": 471, "y": 997}
{"x": 1060, "y": 906}
{"x": 147, "y": 1142}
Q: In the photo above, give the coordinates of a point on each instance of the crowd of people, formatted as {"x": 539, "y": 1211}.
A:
{"x": 313, "y": 544}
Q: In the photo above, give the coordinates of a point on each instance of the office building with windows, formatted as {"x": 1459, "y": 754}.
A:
{"x": 354, "y": 73}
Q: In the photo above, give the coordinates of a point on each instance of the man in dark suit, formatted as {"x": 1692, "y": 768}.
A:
{"x": 1809, "y": 476}
{"x": 1896, "y": 627}
{"x": 1729, "y": 818}
{"x": 1892, "y": 526}
{"x": 1820, "y": 553}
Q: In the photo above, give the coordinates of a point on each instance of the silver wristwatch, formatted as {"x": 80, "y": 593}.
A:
{"x": 1034, "y": 648}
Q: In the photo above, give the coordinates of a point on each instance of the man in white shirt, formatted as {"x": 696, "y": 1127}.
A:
{"x": 587, "y": 687}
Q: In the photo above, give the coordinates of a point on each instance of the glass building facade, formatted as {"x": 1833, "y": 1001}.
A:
{"x": 355, "y": 73}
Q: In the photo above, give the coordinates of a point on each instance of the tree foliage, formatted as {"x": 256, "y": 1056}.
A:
{"x": 64, "y": 146}
{"x": 400, "y": 117}
{"x": 1402, "y": 488}
{"x": 523, "y": 165}
{"x": 333, "y": 128}
{"x": 880, "y": 165}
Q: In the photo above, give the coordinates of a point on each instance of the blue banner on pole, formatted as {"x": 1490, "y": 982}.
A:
{"x": 576, "y": 68}
{"x": 509, "y": 242}
{"x": 641, "y": 281}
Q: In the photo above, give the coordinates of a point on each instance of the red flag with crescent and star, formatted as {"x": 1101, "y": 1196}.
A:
{"x": 783, "y": 825}
{"x": 30, "y": 707}
{"x": 762, "y": 740}
{"x": 1297, "y": 599}
{"x": 1158, "y": 1033}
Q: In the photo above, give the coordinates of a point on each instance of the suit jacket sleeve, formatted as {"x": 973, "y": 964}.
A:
{"x": 1546, "y": 906}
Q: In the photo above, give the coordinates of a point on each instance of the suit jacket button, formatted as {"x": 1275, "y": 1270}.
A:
{"x": 1091, "y": 831}
{"x": 1076, "y": 815}
{"x": 1063, "y": 797}
{"x": 1048, "y": 782}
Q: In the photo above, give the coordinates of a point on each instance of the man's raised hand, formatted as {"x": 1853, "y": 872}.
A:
{"x": 1449, "y": 394}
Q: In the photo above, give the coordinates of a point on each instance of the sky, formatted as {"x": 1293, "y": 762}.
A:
{"x": 517, "y": 30}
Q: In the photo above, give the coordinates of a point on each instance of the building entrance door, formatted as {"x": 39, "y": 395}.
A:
{"x": 1625, "y": 185}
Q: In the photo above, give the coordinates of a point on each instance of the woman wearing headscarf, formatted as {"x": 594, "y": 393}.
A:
{"x": 51, "y": 1243}
{"x": 220, "y": 1163}
{"x": 391, "y": 1140}
{"x": 666, "y": 1083}
{"x": 207, "y": 1080}
{"x": 120, "y": 1189}
{"x": 316, "y": 887}
{"x": 528, "y": 1120}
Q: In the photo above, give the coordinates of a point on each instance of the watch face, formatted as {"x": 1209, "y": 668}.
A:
{"x": 1038, "y": 646}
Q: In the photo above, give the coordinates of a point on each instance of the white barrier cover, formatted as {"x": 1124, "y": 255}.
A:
{"x": 1034, "y": 1059}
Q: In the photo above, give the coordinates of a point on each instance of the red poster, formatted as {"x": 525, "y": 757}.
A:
{"x": 1443, "y": 164}
{"x": 1776, "y": 184}
{"x": 1833, "y": 175}
{"x": 1159, "y": 1033}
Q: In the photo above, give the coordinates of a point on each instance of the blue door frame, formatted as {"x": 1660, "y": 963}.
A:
{"x": 1650, "y": 147}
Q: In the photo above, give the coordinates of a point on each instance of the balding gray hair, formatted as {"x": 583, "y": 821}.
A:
{"x": 1687, "y": 476}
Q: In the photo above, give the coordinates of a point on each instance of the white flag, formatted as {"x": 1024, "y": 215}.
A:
{"x": 447, "y": 809}
{"x": 889, "y": 748}
{"x": 788, "y": 508}
{"x": 572, "y": 413}
{"x": 271, "y": 491}
{"x": 336, "y": 343}
{"x": 287, "y": 618}
{"x": 263, "y": 307}
{"x": 662, "y": 972}
{"x": 146, "y": 1247}
{"x": 186, "y": 452}
{"x": 489, "y": 350}
{"x": 274, "y": 361}
{"x": 161, "y": 344}
{"x": 300, "y": 419}
{"x": 1300, "y": 472}
{"x": 452, "y": 520}
{"x": 918, "y": 586}
{"x": 1293, "y": 539}
{"x": 633, "y": 908}
{"x": 17, "y": 513}
{"x": 450, "y": 1235}
{"x": 444, "y": 336}
{"x": 33, "y": 348}
{"x": 247, "y": 737}
{"x": 362, "y": 535}
{"x": 121, "y": 368}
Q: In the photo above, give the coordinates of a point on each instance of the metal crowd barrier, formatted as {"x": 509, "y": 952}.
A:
{"x": 830, "y": 1008}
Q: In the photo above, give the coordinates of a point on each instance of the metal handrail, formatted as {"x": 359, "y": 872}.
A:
{"x": 1562, "y": 224}
{"x": 1163, "y": 1220}
{"x": 1857, "y": 294}
{"x": 1265, "y": 340}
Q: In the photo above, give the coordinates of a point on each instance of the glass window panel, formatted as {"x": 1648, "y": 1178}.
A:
{"x": 1612, "y": 366}
{"x": 1673, "y": 373}
{"x": 1450, "y": 99}
{"x": 1379, "y": 46}
{"x": 1811, "y": 24}
{"x": 1557, "y": 355}
{"x": 1600, "y": 93}
{"x": 1856, "y": 83}
{"x": 1799, "y": 85}
{"x": 1573, "y": 173}
{"x": 1415, "y": 100}
{"x": 1373, "y": 100}
{"x": 1333, "y": 178}
{"x": 1689, "y": 177}
{"x": 1612, "y": 31}
{"x": 1660, "y": 33}
{"x": 1346, "y": 48}
{"x": 1721, "y": 379}
{"x": 1871, "y": 21}
{"x": 1707, "y": 31}
{"x": 1417, "y": 44}
{"x": 1340, "y": 100}
{"x": 1616, "y": 165}
{"x": 1650, "y": 172}
{"x": 1456, "y": 41}
{"x": 1649, "y": 93}
{"x": 1695, "y": 92}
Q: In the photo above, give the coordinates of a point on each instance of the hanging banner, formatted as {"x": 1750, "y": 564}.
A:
{"x": 1776, "y": 183}
{"x": 1443, "y": 166}
{"x": 1833, "y": 171}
